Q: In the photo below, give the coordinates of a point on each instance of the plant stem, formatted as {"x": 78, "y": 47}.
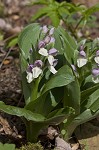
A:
{"x": 78, "y": 24}
{"x": 34, "y": 89}
{"x": 33, "y": 131}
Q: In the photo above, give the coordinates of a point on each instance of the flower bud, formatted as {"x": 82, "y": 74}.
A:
{"x": 82, "y": 53}
{"x": 51, "y": 31}
{"x": 53, "y": 52}
{"x": 41, "y": 44}
{"x": 30, "y": 67}
{"x": 81, "y": 48}
{"x": 38, "y": 63}
{"x": 47, "y": 39}
{"x": 44, "y": 29}
{"x": 95, "y": 72}
{"x": 97, "y": 53}
{"x": 52, "y": 40}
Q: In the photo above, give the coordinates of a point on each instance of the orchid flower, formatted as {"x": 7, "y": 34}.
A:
{"x": 34, "y": 71}
{"x": 50, "y": 56}
{"x": 52, "y": 40}
{"x": 51, "y": 31}
{"x": 95, "y": 75}
{"x": 47, "y": 39}
{"x": 97, "y": 57}
{"x": 82, "y": 60}
{"x": 41, "y": 44}
{"x": 44, "y": 29}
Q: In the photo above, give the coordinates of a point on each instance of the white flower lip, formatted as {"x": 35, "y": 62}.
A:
{"x": 81, "y": 62}
{"x": 95, "y": 79}
{"x": 96, "y": 59}
{"x": 29, "y": 77}
{"x": 50, "y": 60}
{"x": 36, "y": 71}
{"x": 43, "y": 52}
{"x": 52, "y": 69}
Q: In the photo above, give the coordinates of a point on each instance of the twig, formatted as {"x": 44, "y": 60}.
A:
{"x": 5, "y": 57}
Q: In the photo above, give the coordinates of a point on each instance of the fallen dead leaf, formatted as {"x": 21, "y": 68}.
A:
{"x": 6, "y": 62}
{"x": 61, "y": 144}
{"x": 75, "y": 146}
{"x": 15, "y": 17}
{"x": 5, "y": 126}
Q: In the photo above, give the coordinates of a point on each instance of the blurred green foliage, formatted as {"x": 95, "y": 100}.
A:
{"x": 74, "y": 16}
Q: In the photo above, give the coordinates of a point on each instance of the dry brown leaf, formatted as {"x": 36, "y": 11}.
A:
{"x": 75, "y": 146}
{"x": 6, "y": 62}
{"x": 61, "y": 144}
{"x": 15, "y": 17}
{"x": 5, "y": 125}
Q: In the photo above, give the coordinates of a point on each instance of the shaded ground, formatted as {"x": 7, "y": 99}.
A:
{"x": 10, "y": 81}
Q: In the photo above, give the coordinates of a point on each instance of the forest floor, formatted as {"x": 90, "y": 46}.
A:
{"x": 16, "y": 15}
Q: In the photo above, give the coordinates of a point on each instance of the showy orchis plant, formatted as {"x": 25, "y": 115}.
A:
{"x": 59, "y": 80}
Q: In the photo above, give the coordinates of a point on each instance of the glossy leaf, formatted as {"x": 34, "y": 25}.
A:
{"x": 63, "y": 77}
{"x": 21, "y": 112}
{"x": 86, "y": 93}
{"x": 93, "y": 101}
{"x": 28, "y": 115}
{"x": 85, "y": 116}
{"x": 57, "y": 116}
{"x": 58, "y": 41}
{"x": 69, "y": 45}
{"x": 72, "y": 96}
{"x": 46, "y": 102}
{"x": 27, "y": 39}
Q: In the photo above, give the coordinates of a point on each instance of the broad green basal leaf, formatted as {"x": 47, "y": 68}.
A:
{"x": 69, "y": 44}
{"x": 93, "y": 101}
{"x": 21, "y": 112}
{"x": 63, "y": 77}
{"x": 72, "y": 96}
{"x": 54, "y": 118}
{"x": 86, "y": 93}
{"x": 46, "y": 102}
{"x": 57, "y": 116}
{"x": 85, "y": 116}
{"x": 27, "y": 38}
